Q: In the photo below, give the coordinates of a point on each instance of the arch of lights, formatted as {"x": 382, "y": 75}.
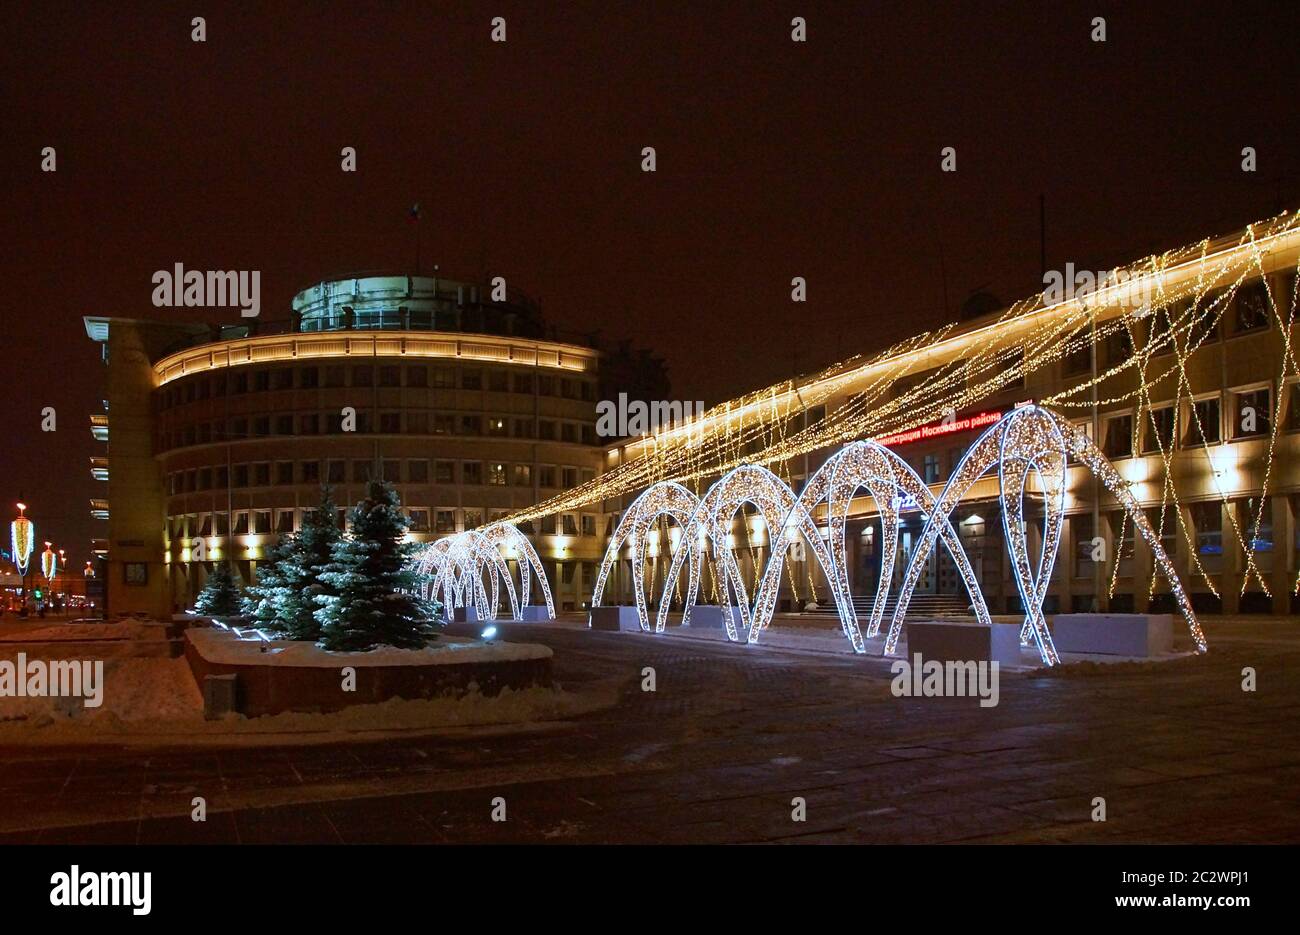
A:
{"x": 1029, "y": 442}
{"x": 453, "y": 569}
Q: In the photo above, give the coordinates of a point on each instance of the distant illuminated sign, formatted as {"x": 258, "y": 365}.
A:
{"x": 936, "y": 429}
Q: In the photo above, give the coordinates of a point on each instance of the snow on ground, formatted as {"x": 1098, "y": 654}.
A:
{"x": 156, "y": 702}
{"x": 15, "y": 630}
{"x": 222, "y": 647}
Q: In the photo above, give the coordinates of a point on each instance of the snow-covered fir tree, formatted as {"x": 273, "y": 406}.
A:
{"x": 263, "y": 599}
{"x": 220, "y": 594}
{"x": 373, "y": 604}
{"x": 284, "y": 598}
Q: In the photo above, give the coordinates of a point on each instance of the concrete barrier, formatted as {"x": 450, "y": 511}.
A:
{"x": 709, "y": 617}
{"x": 959, "y": 641}
{"x": 614, "y": 618}
{"x": 534, "y": 613}
{"x": 1139, "y": 635}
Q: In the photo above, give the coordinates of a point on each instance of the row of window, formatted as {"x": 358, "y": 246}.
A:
{"x": 423, "y": 519}
{"x": 418, "y": 376}
{"x": 411, "y": 422}
{"x": 1250, "y": 415}
{"x": 410, "y": 471}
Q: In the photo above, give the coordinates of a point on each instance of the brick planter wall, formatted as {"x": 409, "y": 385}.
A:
{"x": 274, "y": 689}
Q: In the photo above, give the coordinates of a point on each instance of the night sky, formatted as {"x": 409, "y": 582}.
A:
{"x": 775, "y": 159}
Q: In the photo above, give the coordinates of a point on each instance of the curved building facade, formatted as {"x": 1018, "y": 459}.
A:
{"x": 219, "y": 440}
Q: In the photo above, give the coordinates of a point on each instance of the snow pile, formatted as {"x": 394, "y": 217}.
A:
{"x": 156, "y": 701}
{"x": 60, "y": 632}
{"x": 224, "y": 648}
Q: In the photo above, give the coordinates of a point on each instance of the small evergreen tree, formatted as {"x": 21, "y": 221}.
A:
{"x": 373, "y": 603}
{"x": 284, "y": 598}
{"x": 220, "y": 594}
{"x": 263, "y": 600}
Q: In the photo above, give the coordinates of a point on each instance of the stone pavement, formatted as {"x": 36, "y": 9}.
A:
{"x": 732, "y": 735}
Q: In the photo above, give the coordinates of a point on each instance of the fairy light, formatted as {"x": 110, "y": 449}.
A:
{"x": 49, "y": 562}
{"x": 22, "y": 538}
{"x": 456, "y": 566}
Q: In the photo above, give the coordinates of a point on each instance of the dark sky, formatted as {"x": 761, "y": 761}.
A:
{"x": 775, "y": 159}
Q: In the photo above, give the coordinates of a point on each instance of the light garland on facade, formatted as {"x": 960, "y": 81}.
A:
{"x": 1188, "y": 289}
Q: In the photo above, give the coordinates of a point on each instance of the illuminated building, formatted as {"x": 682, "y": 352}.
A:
{"x": 222, "y": 437}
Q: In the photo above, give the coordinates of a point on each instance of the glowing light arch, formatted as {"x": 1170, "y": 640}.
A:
{"x": 665, "y": 499}
{"x": 457, "y": 565}
{"x": 1037, "y": 440}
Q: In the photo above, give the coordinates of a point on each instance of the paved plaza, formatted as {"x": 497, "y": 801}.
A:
{"x": 732, "y": 737}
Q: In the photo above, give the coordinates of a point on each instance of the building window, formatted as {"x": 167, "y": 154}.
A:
{"x": 523, "y": 428}
{"x": 444, "y": 472}
{"x": 417, "y": 422}
{"x": 284, "y": 473}
{"x": 546, "y": 476}
{"x": 548, "y": 525}
{"x": 1207, "y": 519}
{"x": 473, "y": 519}
{"x": 496, "y": 426}
{"x": 284, "y": 522}
{"x": 284, "y": 378}
{"x": 392, "y": 471}
{"x": 262, "y": 381}
{"x": 569, "y": 477}
{"x": 444, "y": 379}
{"x": 524, "y": 383}
{"x": 262, "y": 474}
{"x": 241, "y": 475}
{"x": 1203, "y": 422}
{"x": 498, "y": 381}
{"x": 1158, "y": 434}
{"x": 588, "y": 524}
{"x": 1119, "y": 437}
{"x": 1119, "y": 347}
{"x": 336, "y": 471}
{"x": 417, "y": 472}
{"x": 545, "y": 386}
{"x": 390, "y": 376}
{"x": 471, "y": 472}
{"x": 568, "y": 432}
{"x": 1249, "y": 510}
{"x": 361, "y": 472}
{"x": 309, "y": 471}
{"x": 444, "y": 521}
{"x": 471, "y": 379}
{"x": 1252, "y": 413}
{"x": 241, "y": 524}
{"x": 309, "y": 424}
{"x": 1251, "y": 307}
{"x": 335, "y": 376}
{"x": 471, "y": 425}
{"x": 1121, "y": 532}
{"x": 419, "y": 517}
{"x": 930, "y": 467}
{"x": 417, "y": 376}
{"x": 363, "y": 376}
{"x": 262, "y": 522}
{"x": 390, "y": 423}
{"x": 444, "y": 424}
{"x": 284, "y": 425}
{"x": 523, "y": 475}
{"x": 546, "y": 430}
{"x": 496, "y": 474}
{"x": 309, "y": 378}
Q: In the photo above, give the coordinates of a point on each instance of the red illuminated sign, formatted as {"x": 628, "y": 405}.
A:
{"x": 977, "y": 421}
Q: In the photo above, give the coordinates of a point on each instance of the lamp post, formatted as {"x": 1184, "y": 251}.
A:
{"x": 22, "y": 536}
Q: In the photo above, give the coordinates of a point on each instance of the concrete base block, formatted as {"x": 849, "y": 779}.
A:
{"x": 535, "y": 613}
{"x": 1139, "y": 635}
{"x": 959, "y": 641}
{"x": 614, "y": 618}
{"x": 219, "y": 695}
{"x": 709, "y": 617}
{"x": 464, "y": 615}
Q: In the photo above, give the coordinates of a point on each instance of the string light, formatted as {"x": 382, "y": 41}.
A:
{"x": 22, "y": 538}
{"x": 49, "y": 562}
{"x": 456, "y": 566}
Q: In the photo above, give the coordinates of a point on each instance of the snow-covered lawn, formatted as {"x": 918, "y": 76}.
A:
{"x": 222, "y": 647}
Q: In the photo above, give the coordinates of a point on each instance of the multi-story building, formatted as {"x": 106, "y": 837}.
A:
{"x": 222, "y": 437}
{"x": 1226, "y": 414}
